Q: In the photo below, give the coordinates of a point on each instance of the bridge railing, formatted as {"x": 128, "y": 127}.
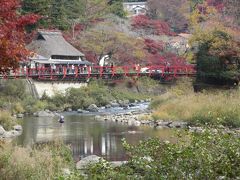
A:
{"x": 100, "y": 71}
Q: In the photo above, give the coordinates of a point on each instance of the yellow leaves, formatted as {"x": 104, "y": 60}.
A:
{"x": 139, "y": 54}
{"x": 194, "y": 18}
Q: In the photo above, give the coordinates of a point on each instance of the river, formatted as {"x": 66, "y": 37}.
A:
{"x": 87, "y": 136}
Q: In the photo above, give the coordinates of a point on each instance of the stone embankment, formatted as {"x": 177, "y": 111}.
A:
{"x": 16, "y": 131}
{"x": 137, "y": 118}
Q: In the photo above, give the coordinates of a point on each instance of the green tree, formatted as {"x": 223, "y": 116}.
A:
{"x": 59, "y": 14}
{"x": 116, "y": 7}
{"x": 217, "y": 57}
{"x": 216, "y": 48}
{"x": 63, "y": 14}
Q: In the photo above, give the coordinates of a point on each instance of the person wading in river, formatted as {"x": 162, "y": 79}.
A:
{"x": 61, "y": 119}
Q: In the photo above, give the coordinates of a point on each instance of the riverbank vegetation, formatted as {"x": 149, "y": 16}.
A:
{"x": 151, "y": 39}
{"x": 6, "y": 120}
{"x": 16, "y": 98}
{"x": 202, "y": 156}
{"x": 101, "y": 94}
{"x": 210, "y": 155}
{"x": 214, "y": 107}
{"x": 40, "y": 162}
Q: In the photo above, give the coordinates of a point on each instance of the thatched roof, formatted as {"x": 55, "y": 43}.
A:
{"x": 48, "y": 43}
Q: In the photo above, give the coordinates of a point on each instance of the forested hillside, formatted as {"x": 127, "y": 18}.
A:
{"x": 205, "y": 32}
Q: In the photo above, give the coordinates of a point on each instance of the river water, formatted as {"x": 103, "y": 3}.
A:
{"x": 88, "y": 136}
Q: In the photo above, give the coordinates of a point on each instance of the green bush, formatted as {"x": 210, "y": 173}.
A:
{"x": 199, "y": 156}
{"x": 59, "y": 100}
{"x": 17, "y": 108}
{"x": 6, "y": 120}
{"x": 14, "y": 89}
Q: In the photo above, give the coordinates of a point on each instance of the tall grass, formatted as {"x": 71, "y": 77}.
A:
{"x": 42, "y": 162}
{"x": 209, "y": 107}
{"x": 6, "y": 120}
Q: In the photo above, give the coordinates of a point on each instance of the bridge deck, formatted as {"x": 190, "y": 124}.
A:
{"x": 99, "y": 72}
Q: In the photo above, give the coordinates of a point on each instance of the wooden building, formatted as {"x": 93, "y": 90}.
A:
{"x": 50, "y": 49}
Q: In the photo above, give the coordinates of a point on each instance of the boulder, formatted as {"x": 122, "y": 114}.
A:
{"x": 83, "y": 163}
{"x": 11, "y": 134}
{"x": 117, "y": 163}
{"x": 177, "y": 124}
{"x": 137, "y": 123}
{"x": 108, "y": 106}
{"x": 131, "y": 105}
{"x": 123, "y": 103}
{"x": 69, "y": 109}
{"x": 80, "y": 111}
{"x": 17, "y": 128}
{"x": 44, "y": 114}
{"x": 2, "y": 130}
{"x": 145, "y": 122}
{"x": 92, "y": 108}
{"x": 20, "y": 115}
{"x": 164, "y": 123}
{"x": 114, "y": 104}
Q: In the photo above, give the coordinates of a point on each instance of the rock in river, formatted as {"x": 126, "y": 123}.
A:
{"x": 20, "y": 115}
{"x": 2, "y": 130}
{"x": 92, "y": 108}
{"x": 17, "y": 128}
{"x": 44, "y": 114}
{"x": 83, "y": 163}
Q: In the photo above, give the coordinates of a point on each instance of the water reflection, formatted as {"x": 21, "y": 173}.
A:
{"x": 86, "y": 136}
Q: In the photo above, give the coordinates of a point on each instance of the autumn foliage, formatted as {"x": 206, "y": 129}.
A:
{"x": 151, "y": 26}
{"x": 158, "y": 56}
{"x": 12, "y": 46}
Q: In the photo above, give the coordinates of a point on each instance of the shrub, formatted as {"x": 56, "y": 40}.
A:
{"x": 14, "y": 88}
{"x": 201, "y": 156}
{"x": 17, "y": 108}
{"x": 59, "y": 100}
{"x": 6, "y": 120}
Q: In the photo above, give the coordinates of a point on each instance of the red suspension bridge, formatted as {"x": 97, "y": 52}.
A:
{"x": 100, "y": 72}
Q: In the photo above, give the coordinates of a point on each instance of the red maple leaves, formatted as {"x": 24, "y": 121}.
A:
{"x": 157, "y": 55}
{"x": 12, "y": 46}
{"x": 151, "y": 26}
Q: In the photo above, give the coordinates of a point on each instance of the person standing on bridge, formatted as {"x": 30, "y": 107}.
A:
{"x": 54, "y": 68}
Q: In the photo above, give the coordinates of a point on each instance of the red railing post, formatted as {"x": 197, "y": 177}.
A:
{"x": 163, "y": 71}
{"x": 64, "y": 71}
{"x": 76, "y": 71}
{"x": 113, "y": 71}
{"x": 101, "y": 71}
{"x": 16, "y": 73}
{"x": 89, "y": 71}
